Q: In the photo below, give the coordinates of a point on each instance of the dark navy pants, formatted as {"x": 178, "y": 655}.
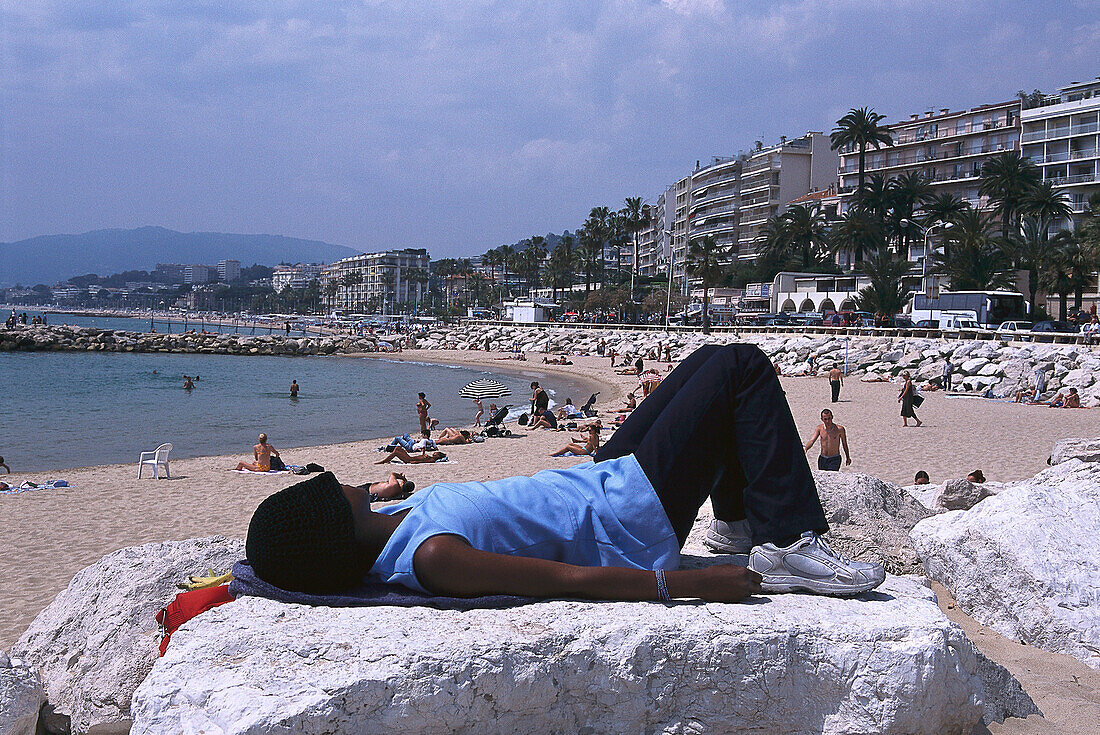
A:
{"x": 719, "y": 426}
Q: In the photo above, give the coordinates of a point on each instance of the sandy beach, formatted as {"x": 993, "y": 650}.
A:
{"x": 49, "y": 535}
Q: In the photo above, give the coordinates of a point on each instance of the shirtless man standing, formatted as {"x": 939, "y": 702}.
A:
{"x": 836, "y": 379}
{"x": 833, "y": 437}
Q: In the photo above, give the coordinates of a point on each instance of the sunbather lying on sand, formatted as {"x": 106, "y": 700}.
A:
{"x": 454, "y": 436}
{"x": 718, "y": 426}
{"x": 402, "y": 454}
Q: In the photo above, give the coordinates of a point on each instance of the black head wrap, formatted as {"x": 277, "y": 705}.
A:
{"x": 303, "y": 538}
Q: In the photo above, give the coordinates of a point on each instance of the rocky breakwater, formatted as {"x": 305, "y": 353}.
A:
{"x": 980, "y": 366}
{"x": 90, "y": 339}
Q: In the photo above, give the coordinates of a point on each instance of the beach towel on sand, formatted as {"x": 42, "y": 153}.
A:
{"x": 269, "y": 472}
{"x": 245, "y": 582}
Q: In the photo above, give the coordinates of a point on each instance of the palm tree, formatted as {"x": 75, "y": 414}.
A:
{"x": 861, "y": 128}
{"x": 973, "y": 259}
{"x": 876, "y": 197}
{"x": 705, "y": 261}
{"x": 635, "y": 216}
{"x": 559, "y": 268}
{"x": 906, "y": 191}
{"x": 942, "y": 208}
{"x": 590, "y": 254}
{"x": 600, "y": 229}
{"x": 857, "y": 232}
{"x": 1034, "y": 251}
{"x": 1046, "y": 202}
{"x": 1081, "y": 258}
{"x": 1007, "y": 179}
{"x": 885, "y": 294}
{"x": 492, "y": 259}
{"x": 805, "y": 234}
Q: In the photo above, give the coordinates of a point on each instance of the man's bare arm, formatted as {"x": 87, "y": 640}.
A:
{"x": 447, "y": 565}
{"x": 844, "y": 443}
{"x": 817, "y": 433}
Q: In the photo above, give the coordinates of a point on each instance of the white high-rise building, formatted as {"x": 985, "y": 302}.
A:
{"x": 1062, "y": 137}
{"x": 229, "y": 270}
{"x": 377, "y": 280}
{"x": 772, "y": 177}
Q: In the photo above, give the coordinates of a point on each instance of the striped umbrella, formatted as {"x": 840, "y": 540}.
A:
{"x": 484, "y": 388}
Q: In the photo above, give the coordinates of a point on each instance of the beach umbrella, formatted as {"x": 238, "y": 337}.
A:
{"x": 484, "y": 388}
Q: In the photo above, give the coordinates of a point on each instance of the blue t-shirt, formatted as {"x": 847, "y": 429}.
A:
{"x": 593, "y": 515}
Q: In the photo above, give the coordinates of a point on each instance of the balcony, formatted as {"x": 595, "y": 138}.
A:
{"x": 1076, "y": 179}
{"x": 1061, "y": 131}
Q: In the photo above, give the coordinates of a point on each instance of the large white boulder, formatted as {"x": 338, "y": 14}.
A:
{"x": 1024, "y": 561}
{"x": 21, "y": 697}
{"x": 889, "y": 662}
{"x": 870, "y": 519}
{"x": 98, "y": 639}
{"x": 1086, "y": 450}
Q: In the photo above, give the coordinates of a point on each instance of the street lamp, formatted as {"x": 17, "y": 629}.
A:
{"x": 927, "y": 231}
{"x": 671, "y": 259}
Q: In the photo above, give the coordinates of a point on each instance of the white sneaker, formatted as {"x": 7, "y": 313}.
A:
{"x": 809, "y": 564}
{"x": 728, "y": 537}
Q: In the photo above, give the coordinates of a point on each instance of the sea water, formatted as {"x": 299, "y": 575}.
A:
{"x": 74, "y": 409}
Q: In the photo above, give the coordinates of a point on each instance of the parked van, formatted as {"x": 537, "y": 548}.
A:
{"x": 960, "y": 321}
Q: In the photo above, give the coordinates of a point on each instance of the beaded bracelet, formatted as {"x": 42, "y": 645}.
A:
{"x": 662, "y": 587}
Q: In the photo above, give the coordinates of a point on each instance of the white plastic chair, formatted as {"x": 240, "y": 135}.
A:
{"x": 156, "y": 458}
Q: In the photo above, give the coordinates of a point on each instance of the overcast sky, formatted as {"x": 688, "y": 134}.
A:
{"x": 461, "y": 125}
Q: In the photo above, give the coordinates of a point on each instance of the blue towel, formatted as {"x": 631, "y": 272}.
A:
{"x": 245, "y": 582}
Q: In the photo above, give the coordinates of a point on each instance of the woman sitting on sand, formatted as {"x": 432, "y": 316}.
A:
{"x": 262, "y": 453}
{"x": 631, "y": 403}
{"x": 402, "y": 454}
{"x": 454, "y": 436}
{"x": 591, "y": 444}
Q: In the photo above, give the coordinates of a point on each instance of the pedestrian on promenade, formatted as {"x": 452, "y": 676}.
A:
{"x": 836, "y": 380}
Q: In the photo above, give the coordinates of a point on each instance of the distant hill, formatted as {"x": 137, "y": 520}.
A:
{"x": 51, "y": 258}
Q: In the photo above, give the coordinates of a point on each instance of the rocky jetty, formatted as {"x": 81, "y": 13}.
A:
{"x": 983, "y": 366}
{"x": 91, "y": 339}
{"x": 1024, "y": 561}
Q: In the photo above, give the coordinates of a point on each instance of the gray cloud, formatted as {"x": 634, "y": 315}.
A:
{"x": 460, "y": 125}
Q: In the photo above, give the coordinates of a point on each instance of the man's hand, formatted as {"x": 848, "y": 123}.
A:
{"x": 717, "y": 583}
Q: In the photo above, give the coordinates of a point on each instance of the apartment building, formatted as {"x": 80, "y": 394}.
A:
{"x": 229, "y": 270}
{"x": 198, "y": 273}
{"x": 654, "y": 246}
{"x": 377, "y": 280}
{"x": 947, "y": 148}
{"x": 293, "y": 276}
{"x": 715, "y": 202}
{"x": 1062, "y": 137}
{"x": 772, "y": 177}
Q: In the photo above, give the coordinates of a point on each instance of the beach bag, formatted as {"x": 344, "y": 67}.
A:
{"x": 186, "y": 606}
{"x": 314, "y": 467}
{"x": 277, "y": 463}
{"x": 917, "y": 400}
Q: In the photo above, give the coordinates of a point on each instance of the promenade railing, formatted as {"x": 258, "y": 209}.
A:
{"x": 817, "y": 331}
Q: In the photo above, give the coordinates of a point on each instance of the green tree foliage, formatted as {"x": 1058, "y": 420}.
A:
{"x": 860, "y": 128}
{"x": 885, "y": 294}
{"x": 1008, "y": 179}
{"x": 706, "y": 261}
{"x": 973, "y": 258}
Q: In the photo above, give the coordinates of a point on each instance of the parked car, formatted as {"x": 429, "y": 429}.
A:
{"x": 1053, "y": 325}
{"x": 1009, "y": 328}
{"x": 928, "y": 324}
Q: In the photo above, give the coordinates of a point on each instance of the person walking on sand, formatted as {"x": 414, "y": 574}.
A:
{"x": 836, "y": 380}
{"x": 948, "y": 373}
{"x": 832, "y": 437}
{"x": 293, "y": 388}
{"x": 262, "y": 454}
{"x": 480, "y": 412}
{"x": 422, "y": 407}
{"x": 908, "y": 400}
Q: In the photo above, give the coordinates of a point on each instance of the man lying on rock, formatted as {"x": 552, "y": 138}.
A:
{"x": 718, "y": 426}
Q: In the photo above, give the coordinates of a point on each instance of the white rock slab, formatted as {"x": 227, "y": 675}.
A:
{"x": 1024, "y": 561}
{"x": 98, "y": 639}
{"x": 21, "y": 697}
{"x": 888, "y": 663}
{"x": 1086, "y": 450}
